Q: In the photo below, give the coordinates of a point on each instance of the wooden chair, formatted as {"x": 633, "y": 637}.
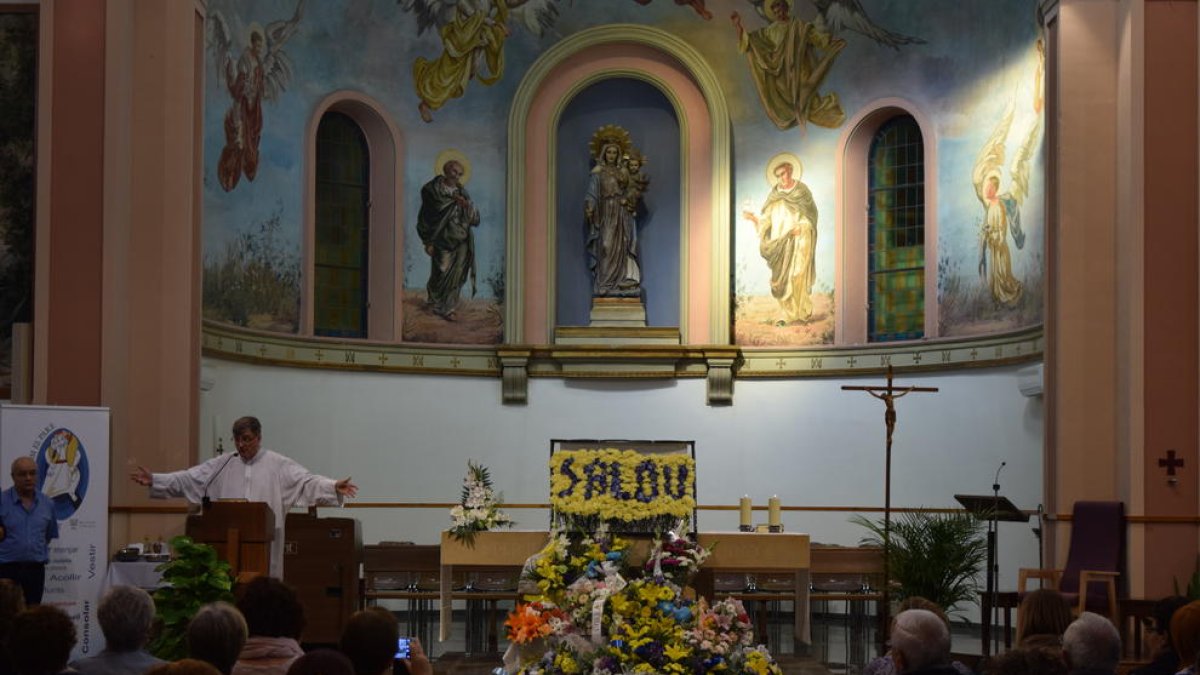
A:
{"x": 1094, "y": 561}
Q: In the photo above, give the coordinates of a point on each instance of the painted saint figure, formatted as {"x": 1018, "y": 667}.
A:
{"x": 787, "y": 238}
{"x": 1002, "y": 210}
{"x": 789, "y": 59}
{"x": 261, "y": 72}
{"x": 473, "y": 34}
{"x": 610, "y": 214}
{"x": 444, "y": 223}
{"x": 469, "y": 42}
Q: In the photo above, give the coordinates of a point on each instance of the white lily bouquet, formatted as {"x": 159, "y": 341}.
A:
{"x": 479, "y": 510}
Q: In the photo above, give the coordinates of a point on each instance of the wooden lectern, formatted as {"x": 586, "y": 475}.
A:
{"x": 320, "y": 560}
{"x": 240, "y": 531}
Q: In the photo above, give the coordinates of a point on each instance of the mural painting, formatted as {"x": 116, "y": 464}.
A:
{"x": 446, "y": 224}
{"x": 445, "y": 75}
{"x": 999, "y": 298}
{"x": 18, "y": 80}
{"x": 260, "y": 73}
{"x": 786, "y": 225}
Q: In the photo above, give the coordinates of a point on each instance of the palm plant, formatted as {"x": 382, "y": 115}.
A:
{"x": 937, "y": 556}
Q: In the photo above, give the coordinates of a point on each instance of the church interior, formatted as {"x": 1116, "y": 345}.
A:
{"x": 857, "y": 257}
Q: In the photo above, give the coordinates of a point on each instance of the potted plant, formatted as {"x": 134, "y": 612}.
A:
{"x": 937, "y": 556}
{"x": 196, "y": 577}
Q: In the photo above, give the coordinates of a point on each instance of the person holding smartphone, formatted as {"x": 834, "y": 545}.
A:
{"x": 372, "y": 641}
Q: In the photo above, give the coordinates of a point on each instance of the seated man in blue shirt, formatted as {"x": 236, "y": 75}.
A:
{"x": 29, "y": 524}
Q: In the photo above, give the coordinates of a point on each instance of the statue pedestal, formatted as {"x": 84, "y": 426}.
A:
{"x": 616, "y": 322}
{"x": 624, "y": 312}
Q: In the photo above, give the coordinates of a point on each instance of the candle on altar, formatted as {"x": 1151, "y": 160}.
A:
{"x": 745, "y": 510}
{"x": 773, "y": 514}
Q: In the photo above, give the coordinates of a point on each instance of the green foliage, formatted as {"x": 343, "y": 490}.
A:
{"x": 937, "y": 556}
{"x": 197, "y": 577}
{"x": 255, "y": 282}
{"x": 1193, "y": 585}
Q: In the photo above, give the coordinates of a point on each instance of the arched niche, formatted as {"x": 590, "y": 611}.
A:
{"x": 678, "y": 71}
{"x": 643, "y": 110}
{"x": 384, "y": 281}
{"x": 850, "y": 235}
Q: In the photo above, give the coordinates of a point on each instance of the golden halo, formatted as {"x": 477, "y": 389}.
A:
{"x": 784, "y": 158}
{"x": 449, "y": 154}
{"x": 609, "y": 133}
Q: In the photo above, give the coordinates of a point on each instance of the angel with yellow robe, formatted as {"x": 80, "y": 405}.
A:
{"x": 1002, "y": 210}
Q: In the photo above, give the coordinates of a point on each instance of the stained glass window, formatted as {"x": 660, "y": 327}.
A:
{"x": 896, "y": 232}
{"x": 342, "y": 227}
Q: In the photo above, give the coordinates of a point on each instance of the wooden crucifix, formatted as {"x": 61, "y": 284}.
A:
{"x": 888, "y": 395}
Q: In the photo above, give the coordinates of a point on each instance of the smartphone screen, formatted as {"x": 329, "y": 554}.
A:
{"x": 402, "y": 651}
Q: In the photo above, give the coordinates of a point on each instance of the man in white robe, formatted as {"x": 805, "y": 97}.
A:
{"x": 253, "y": 474}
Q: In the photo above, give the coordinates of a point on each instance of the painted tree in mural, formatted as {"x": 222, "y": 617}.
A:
{"x": 789, "y": 57}
{"x": 260, "y": 73}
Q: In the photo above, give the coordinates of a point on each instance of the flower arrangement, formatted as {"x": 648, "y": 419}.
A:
{"x": 479, "y": 508}
{"x": 627, "y": 490}
{"x": 594, "y": 611}
{"x": 675, "y": 559}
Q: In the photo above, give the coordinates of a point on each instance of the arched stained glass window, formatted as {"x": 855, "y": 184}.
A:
{"x": 342, "y": 228}
{"x": 896, "y": 232}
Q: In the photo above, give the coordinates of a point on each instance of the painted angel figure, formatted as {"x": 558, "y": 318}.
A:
{"x": 789, "y": 58}
{"x": 473, "y": 34}
{"x": 261, "y": 72}
{"x": 1002, "y": 210}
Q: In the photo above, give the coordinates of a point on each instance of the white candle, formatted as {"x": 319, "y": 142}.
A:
{"x": 745, "y": 509}
{"x": 773, "y": 511}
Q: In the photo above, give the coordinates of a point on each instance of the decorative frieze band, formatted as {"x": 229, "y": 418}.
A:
{"x": 515, "y": 364}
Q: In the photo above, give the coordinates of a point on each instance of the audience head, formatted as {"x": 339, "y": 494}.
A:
{"x": 369, "y": 639}
{"x": 1161, "y": 615}
{"x": 184, "y": 667}
{"x": 271, "y": 608}
{"x": 1185, "y": 633}
{"x": 1027, "y": 661}
{"x": 40, "y": 641}
{"x": 12, "y": 603}
{"x": 125, "y": 614}
{"x": 918, "y": 602}
{"x": 1091, "y": 642}
{"x": 217, "y": 634}
{"x": 920, "y": 639}
{"x": 1043, "y": 612}
{"x": 322, "y": 662}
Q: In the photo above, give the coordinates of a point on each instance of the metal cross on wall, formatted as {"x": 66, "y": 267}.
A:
{"x": 888, "y": 395}
{"x": 1170, "y": 464}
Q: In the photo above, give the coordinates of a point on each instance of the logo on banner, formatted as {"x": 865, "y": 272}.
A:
{"x": 63, "y": 471}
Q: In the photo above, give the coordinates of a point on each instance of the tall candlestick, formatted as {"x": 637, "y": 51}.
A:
{"x": 747, "y": 518}
{"x": 773, "y": 514}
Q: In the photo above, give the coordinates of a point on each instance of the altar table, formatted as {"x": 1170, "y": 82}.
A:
{"x": 745, "y": 552}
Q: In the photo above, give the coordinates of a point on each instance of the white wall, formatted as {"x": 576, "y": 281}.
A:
{"x": 408, "y": 438}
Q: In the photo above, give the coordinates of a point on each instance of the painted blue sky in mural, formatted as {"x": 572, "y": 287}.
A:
{"x": 978, "y": 58}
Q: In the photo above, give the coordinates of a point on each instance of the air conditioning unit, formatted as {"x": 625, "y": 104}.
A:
{"x": 1029, "y": 380}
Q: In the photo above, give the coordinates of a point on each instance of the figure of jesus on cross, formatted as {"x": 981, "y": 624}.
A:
{"x": 888, "y": 395}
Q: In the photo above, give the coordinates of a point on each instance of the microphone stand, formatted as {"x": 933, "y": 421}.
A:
{"x": 993, "y": 570}
{"x": 205, "y": 502}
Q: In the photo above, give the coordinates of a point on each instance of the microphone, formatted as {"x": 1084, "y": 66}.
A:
{"x": 205, "y": 502}
{"x": 996, "y": 480}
